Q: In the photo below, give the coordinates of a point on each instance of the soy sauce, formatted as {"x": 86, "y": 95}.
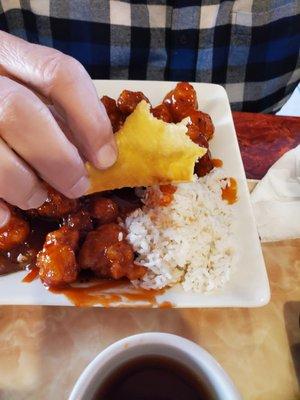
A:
{"x": 153, "y": 378}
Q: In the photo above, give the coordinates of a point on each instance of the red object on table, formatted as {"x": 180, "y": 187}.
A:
{"x": 263, "y": 139}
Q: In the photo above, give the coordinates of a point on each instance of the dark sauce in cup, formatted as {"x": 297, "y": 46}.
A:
{"x": 153, "y": 378}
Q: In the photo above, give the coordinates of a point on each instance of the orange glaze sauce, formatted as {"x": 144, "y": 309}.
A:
{"x": 31, "y": 276}
{"x": 167, "y": 194}
{"x": 108, "y": 293}
{"x": 229, "y": 193}
{"x": 166, "y": 304}
{"x": 217, "y": 163}
{"x": 144, "y": 295}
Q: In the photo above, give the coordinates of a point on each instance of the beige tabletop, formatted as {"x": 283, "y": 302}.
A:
{"x": 43, "y": 350}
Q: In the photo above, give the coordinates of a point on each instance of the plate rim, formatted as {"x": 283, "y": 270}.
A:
{"x": 262, "y": 299}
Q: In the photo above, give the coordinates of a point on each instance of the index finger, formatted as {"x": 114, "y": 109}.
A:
{"x": 66, "y": 83}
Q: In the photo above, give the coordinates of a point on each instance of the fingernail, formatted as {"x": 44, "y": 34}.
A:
{"x": 4, "y": 216}
{"x": 106, "y": 156}
{"x": 80, "y": 188}
{"x": 37, "y": 199}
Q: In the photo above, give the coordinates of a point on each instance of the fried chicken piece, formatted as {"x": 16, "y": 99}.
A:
{"x": 103, "y": 209}
{"x": 56, "y": 205}
{"x": 92, "y": 252}
{"x": 204, "y": 165}
{"x": 108, "y": 255}
{"x": 56, "y": 261}
{"x": 162, "y": 112}
{"x": 201, "y": 123}
{"x": 197, "y": 137}
{"x": 128, "y": 100}
{"x": 13, "y": 233}
{"x": 116, "y": 117}
{"x": 181, "y": 100}
{"x": 181, "y": 103}
{"x": 80, "y": 220}
{"x": 64, "y": 236}
{"x": 121, "y": 259}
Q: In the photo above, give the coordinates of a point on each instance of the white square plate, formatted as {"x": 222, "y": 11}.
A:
{"x": 248, "y": 286}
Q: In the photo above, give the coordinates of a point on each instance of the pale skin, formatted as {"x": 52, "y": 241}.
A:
{"x": 49, "y": 141}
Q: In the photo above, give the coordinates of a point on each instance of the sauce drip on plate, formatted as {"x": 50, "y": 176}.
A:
{"x": 31, "y": 276}
{"x": 109, "y": 293}
{"x": 217, "y": 163}
{"x": 166, "y": 304}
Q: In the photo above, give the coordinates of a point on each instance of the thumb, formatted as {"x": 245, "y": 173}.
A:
{"x": 4, "y": 214}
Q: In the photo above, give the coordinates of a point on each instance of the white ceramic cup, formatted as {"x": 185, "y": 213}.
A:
{"x": 163, "y": 344}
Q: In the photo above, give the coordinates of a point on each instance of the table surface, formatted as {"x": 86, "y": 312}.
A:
{"x": 43, "y": 350}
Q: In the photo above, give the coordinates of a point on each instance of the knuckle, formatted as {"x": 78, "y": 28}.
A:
{"x": 9, "y": 100}
{"x": 50, "y": 67}
{"x": 17, "y": 180}
{"x": 9, "y": 91}
{"x": 14, "y": 101}
{"x": 59, "y": 69}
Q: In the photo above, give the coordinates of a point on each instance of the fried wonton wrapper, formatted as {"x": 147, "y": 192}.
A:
{"x": 151, "y": 152}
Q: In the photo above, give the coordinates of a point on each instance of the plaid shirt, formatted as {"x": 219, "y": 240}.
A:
{"x": 251, "y": 47}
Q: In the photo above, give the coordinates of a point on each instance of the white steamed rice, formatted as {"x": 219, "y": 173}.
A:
{"x": 189, "y": 241}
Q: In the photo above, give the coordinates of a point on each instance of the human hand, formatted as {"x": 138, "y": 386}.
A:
{"x": 32, "y": 143}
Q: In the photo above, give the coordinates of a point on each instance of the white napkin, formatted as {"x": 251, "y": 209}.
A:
{"x": 291, "y": 107}
{"x": 276, "y": 199}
